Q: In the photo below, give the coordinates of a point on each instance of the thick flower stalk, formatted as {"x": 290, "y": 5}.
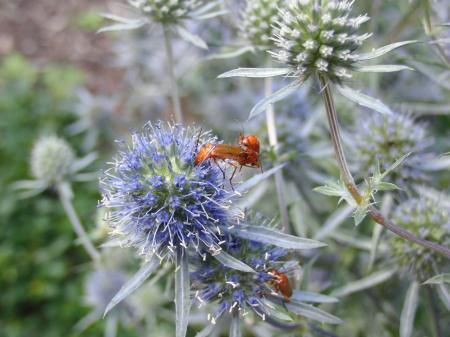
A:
{"x": 427, "y": 218}
{"x": 380, "y": 140}
{"x": 268, "y": 290}
{"x": 315, "y": 37}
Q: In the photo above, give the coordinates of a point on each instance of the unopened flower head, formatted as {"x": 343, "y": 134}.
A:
{"x": 52, "y": 159}
{"x": 258, "y": 19}
{"x": 428, "y": 219}
{"x": 319, "y": 37}
{"x": 158, "y": 198}
{"x": 231, "y": 289}
{"x": 382, "y": 139}
{"x": 167, "y": 11}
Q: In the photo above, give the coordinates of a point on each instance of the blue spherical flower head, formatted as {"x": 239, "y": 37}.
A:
{"x": 234, "y": 290}
{"x": 159, "y": 200}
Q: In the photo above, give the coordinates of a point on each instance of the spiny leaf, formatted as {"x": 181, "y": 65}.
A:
{"x": 382, "y": 68}
{"x": 278, "y": 95}
{"x": 182, "y": 293}
{"x": 255, "y": 72}
{"x": 233, "y": 263}
{"x": 384, "y": 50}
{"x": 268, "y": 236}
{"x": 364, "y": 100}
{"x": 135, "y": 282}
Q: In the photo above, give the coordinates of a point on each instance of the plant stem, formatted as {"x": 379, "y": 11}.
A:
{"x": 175, "y": 96}
{"x": 66, "y": 201}
{"x": 349, "y": 182}
{"x": 273, "y": 141}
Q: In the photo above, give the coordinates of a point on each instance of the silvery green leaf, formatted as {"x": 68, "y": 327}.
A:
{"x": 365, "y": 283}
{"x": 359, "y": 214}
{"x": 384, "y": 50}
{"x": 385, "y": 186}
{"x": 255, "y": 72}
{"x": 255, "y": 180}
{"x": 134, "y": 282}
{"x": 274, "y": 311}
{"x": 132, "y": 24}
{"x": 206, "y": 8}
{"x": 191, "y": 38}
{"x": 111, "y": 326}
{"x": 382, "y": 68}
{"x": 306, "y": 296}
{"x": 207, "y": 331}
{"x": 439, "y": 279}
{"x": 231, "y": 54}
{"x": 409, "y": 310}
{"x": 376, "y": 236}
{"x": 182, "y": 293}
{"x": 28, "y": 184}
{"x": 116, "y": 18}
{"x": 235, "y": 326}
{"x": 397, "y": 163}
{"x": 312, "y": 312}
{"x": 274, "y": 322}
{"x": 447, "y": 24}
{"x": 278, "y": 95}
{"x": 233, "y": 263}
{"x": 88, "y": 320}
{"x": 269, "y": 236}
{"x": 364, "y": 100}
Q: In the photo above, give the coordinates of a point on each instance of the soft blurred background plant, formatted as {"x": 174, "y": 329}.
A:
{"x": 58, "y": 76}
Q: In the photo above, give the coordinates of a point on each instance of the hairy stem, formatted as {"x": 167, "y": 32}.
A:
{"x": 175, "y": 96}
{"x": 273, "y": 141}
{"x": 66, "y": 200}
{"x": 349, "y": 182}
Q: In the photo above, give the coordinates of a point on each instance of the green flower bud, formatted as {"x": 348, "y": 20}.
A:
{"x": 319, "y": 37}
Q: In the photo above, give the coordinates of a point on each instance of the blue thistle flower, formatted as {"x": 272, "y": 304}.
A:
{"x": 159, "y": 200}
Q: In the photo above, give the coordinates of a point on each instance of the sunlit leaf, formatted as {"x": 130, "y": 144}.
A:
{"x": 382, "y": 68}
{"x": 268, "y": 236}
{"x": 439, "y": 279}
{"x": 182, "y": 293}
{"x": 384, "y": 50}
{"x": 255, "y": 72}
{"x": 364, "y": 100}
{"x": 231, "y": 54}
{"x": 135, "y": 282}
{"x": 233, "y": 263}
{"x": 278, "y": 95}
{"x": 133, "y": 24}
{"x": 191, "y": 38}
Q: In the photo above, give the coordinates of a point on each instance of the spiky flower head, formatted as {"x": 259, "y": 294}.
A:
{"x": 158, "y": 199}
{"x": 167, "y": 11}
{"x": 428, "y": 219}
{"x": 237, "y": 290}
{"x": 382, "y": 139}
{"x": 257, "y": 21}
{"x": 319, "y": 37}
{"x": 52, "y": 159}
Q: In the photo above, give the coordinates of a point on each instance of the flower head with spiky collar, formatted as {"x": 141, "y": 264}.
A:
{"x": 318, "y": 37}
{"x": 257, "y": 21}
{"x": 159, "y": 199}
{"x": 430, "y": 220}
{"x": 167, "y": 11}
{"x": 382, "y": 139}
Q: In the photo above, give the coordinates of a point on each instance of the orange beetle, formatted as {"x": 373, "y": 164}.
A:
{"x": 281, "y": 284}
{"x": 246, "y": 153}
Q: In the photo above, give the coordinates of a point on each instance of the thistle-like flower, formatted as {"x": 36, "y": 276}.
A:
{"x": 159, "y": 200}
{"x": 380, "y": 140}
{"x": 319, "y": 37}
{"x": 428, "y": 219}
{"x": 167, "y": 11}
{"x": 52, "y": 163}
{"x": 263, "y": 292}
{"x": 257, "y": 21}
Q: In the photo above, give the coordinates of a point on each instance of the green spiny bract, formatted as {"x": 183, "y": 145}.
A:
{"x": 429, "y": 220}
{"x": 258, "y": 19}
{"x": 52, "y": 159}
{"x": 167, "y": 11}
{"x": 319, "y": 37}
